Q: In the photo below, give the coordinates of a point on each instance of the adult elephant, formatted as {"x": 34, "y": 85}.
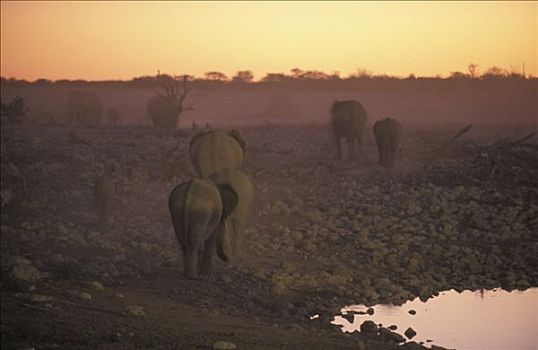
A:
{"x": 198, "y": 208}
{"x": 387, "y": 134}
{"x": 215, "y": 150}
{"x": 348, "y": 120}
{"x": 243, "y": 186}
{"x": 84, "y": 108}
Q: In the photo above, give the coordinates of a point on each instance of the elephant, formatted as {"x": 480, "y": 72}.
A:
{"x": 387, "y": 136}
{"x": 105, "y": 195}
{"x": 243, "y": 186}
{"x": 199, "y": 209}
{"x": 348, "y": 120}
{"x": 164, "y": 111}
{"x": 113, "y": 117}
{"x": 215, "y": 150}
{"x": 85, "y": 108}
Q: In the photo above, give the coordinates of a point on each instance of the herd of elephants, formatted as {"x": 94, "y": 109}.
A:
{"x": 209, "y": 212}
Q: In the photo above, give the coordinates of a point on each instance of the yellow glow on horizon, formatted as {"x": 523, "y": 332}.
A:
{"x": 121, "y": 40}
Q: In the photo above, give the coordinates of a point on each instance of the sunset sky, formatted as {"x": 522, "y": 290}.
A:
{"x": 121, "y": 40}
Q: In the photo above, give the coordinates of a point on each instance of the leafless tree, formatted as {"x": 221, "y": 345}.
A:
{"x": 165, "y": 108}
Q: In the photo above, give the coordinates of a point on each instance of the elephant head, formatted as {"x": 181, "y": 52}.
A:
{"x": 215, "y": 150}
{"x": 348, "y": 120}
{"x": 198, "y": 209}
{"x": 387, "y": 134}
{"x": 242, "y": 184}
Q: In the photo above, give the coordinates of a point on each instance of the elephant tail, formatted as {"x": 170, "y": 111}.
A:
{"x": 224, "y": 242}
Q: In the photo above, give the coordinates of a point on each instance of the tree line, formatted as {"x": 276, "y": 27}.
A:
{"x": 297, "y": 74}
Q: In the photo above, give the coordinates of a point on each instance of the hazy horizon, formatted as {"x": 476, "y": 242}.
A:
{"x": 118, "y": 41}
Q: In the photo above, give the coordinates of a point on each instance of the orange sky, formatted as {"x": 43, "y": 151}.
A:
{"x": 121, "y": 40}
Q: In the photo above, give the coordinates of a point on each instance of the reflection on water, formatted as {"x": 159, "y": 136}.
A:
{"x": 471, "y": 320}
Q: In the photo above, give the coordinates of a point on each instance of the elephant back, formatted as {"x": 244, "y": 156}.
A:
{"x": 213, "y": 151}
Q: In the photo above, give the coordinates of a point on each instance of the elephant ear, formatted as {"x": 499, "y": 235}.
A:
{"x": 229, "y": 200}
{"x": 237, "y": 136}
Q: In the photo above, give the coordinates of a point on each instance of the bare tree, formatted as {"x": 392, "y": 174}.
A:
{"x": 165, "y": 108}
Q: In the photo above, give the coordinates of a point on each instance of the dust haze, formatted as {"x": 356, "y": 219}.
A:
{"x": 173, "y": 212}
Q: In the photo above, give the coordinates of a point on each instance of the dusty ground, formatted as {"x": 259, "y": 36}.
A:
{"x": 321, "y": 235}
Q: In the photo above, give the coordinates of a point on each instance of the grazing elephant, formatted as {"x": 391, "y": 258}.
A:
{"x": 198, "y": 209}
{"x": 113, "y": 117}
{"x": 242, "y": 184}
{"x": 387, "y": 136}
{"x": 215, "y": 150}
{"x": 348, "y": 120}
{"x": 105, "y": 195}
{"x": 85, "y": 108}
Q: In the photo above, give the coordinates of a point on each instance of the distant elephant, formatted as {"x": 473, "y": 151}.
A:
{"x": 85, "y": 108}
{"x": 387, "y": 136}
{"x": 113, "y": 117}
{"x": 198, "y": 209}
{"x": 348, "y": 120}
{"x": 105, "y": 195}
{"x": 164, "y": 111}
{"x": 243, "y": 186}
{"x": 215, "y": 150}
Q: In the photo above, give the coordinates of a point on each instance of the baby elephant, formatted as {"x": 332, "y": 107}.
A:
{"x": 387, "y": 136}
{"x": 199, "y": 209}
{"x": 105, "y": 195}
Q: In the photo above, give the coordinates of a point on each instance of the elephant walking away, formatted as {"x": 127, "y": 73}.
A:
{"x": 215, "y": 150}
{"x": 198, "y": 208}
{"x": 387, "y": 134}
{"x": 348, "y": 121}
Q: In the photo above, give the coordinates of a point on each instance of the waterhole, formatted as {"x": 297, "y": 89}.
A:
{"x": 495, "y": 319}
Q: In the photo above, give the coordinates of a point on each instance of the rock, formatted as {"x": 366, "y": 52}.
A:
{"x": 85, "y": 296}
{"x": 134, "y": 310}
{"x": 436, "y": 347}
{"x": 97, "y": 285}
{"x": 392, "y": 336}
{"x": 369, "y": 326}
{"x": 412, "y": 312}
{"x": 224, "y": 345}
{"x": 349, "y": 317}
{"x": 393, "y": 327}
{"x": 410, "y": 333}
{"x": 38, "y": 298}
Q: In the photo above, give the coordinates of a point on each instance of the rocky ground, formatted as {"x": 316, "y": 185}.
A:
{"x": 321, "y": 235}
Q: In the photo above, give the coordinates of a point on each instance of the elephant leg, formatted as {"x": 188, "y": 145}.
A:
{"x": 338, "y": 148}
{"x": 379, "y": 153}
{"x": 191, "y": 256}
{"x": 352, "y": 149}
{"x": 209, "y": 248}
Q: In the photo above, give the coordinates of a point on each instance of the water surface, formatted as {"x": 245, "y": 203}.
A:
{"x": 486, "y": 320}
